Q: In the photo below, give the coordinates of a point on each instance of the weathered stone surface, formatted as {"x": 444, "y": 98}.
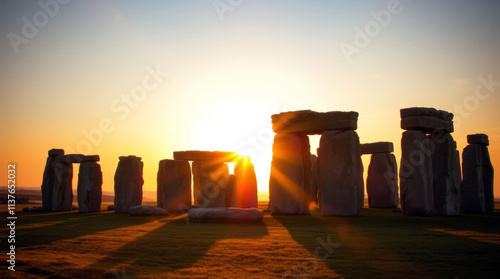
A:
{"x": 89, "y": 187}
{"x": 62, "y": 196}
{"x": 77, "y": 158}
{"x": 230, "y": 193}
{"x": 415, "y": 175}
{"x": 341, "y": 174}
{"x": 311, "y": 122}
{"x": 289, "y": 183}
{"x": 314, "y": 179}
{"x": 472, "y": 187}
{"x": 419, "y": 111}
{"x": 446, "y": 187}
{"x": 489, "y": 198}
{"x": 250, "y": 215}
{"x": 210, "y": 179}
{"x": 377, "y": 147}
{"x": 246, "y": 185}
{"x": 56, "y": 152}
{"x": 382, "y": 181}
{"x": 481, "y": 139}
{"x": 174, "y": 185}
{"x": 128, "y": 183}
{"x": 426, "y": 124}
{"x": 197, "y": 155}
{"x": 48, "y": 182}
{"x": 147, "y": 210}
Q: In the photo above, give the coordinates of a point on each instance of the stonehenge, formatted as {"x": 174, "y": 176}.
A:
{"x": 477, "y": 184}
{"x": 382, "y": 181}
{"x": 128, "y": 183}
{"x": 340, "y": 171}
{"x": 245, "y": 184}
{"x": 174, "y": 185}
{"x": 57, "y": 188}
{"x": 428, "y": 172}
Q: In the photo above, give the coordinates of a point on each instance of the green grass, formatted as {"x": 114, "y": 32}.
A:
{"x": 378, "y": 244}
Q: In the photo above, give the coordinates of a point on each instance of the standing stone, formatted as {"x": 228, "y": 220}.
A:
{"x": 210, "y": 179}
{"x": 417, "y": 196}
{"x": 314, "y": 179}
{"x": 230, "y": 193}
{"x": 48, "y": 180}
{"x": 489, "y": 198}
{"x": 341, "y": 174}
{"x": 290, "y": 178}
{"x": 128, "y": 183}
{"x": 246, "y": 185}
{"x": 472, "y": 187}
{"x": 174, "y": 185}
{"x": 382, "y": 181}
{"x": 62, "y": 198}
{"x": 446, "y": 188}
{"x": 89, "y": 187}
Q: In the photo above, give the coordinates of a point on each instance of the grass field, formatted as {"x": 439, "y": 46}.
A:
{"x": 378, "y": 244}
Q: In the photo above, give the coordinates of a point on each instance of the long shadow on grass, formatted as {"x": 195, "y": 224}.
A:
{"x": 68, "y": 225}
{"x": 175, "y": 245}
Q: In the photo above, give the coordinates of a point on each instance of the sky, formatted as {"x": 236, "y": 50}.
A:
{"x": 147, "y": 78}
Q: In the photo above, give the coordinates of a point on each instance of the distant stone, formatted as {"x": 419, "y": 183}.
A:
{"x": 56, "y": 152}
{"x": 223, "y": 214}
{"x": 89, "y": 187}
{"x": 314, "y": 179}
{"x": 197, "y": 155}
{"x": 446, "y": 187}
{"x": 128, "y": 183}
{"x": 147, "y": 210}
{"x": 210, "y": 179}
{"x": 246, "y": 185}
{"x": 111, "y": 207}
{"x": 62, "y": 196}
{"x": 472, "y": 187}
{"x": 419, "y": 111}
{"x": 174, "y": 185}
{"x": 415, "y": 175}
{"x": 377, "y": 147}
{"x": 48, "y": 182}
{"x": 311, "y": 122}
{"x": 289, "y": 183}
{"x": 481, "y": 139}
{"x": 77, "y": 158}
{"x": 488, "y": 172}
{"x": 341, "y": 174}
{"x": 426, "y": 124}
{"x": 382, "y": 181}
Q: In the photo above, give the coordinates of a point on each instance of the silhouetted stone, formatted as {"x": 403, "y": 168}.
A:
{"x": 377, "y": 147}
{"x": 89, "y": 187}
{"x": 146, "y": 210}
{"x": 197, "y": 155}
{"x": 489, "y": 198}
{"x": 111, "y": 207}
{"x": 415, "y": 174}
{"x": 481, "y": 139}
{"x": 382, "y": 181}
{"x": 311, "y": 122}
{"x": 426, "y": 124}
{"x": 341, "y": 174}
{"x": 48, "y": 182}
{"x": 174, "y": 185}
{"x": 472, "y": 187}
{"x": 446, "y": 188}
{"x": 419, "y": 111}
{"x": 246, "y": 185}
{"x": 77, "y": 158}
{"x": 56, "y": 152}
{"x": 289, "y": 183}
{"x": 62, "y": 197}
{"x": 248, "y": 215}
{"x": 210, "y": 179}
{"x": 230, "y": 193}
{"x": 314, "y": 179}
{"x": 128, "y": 183}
